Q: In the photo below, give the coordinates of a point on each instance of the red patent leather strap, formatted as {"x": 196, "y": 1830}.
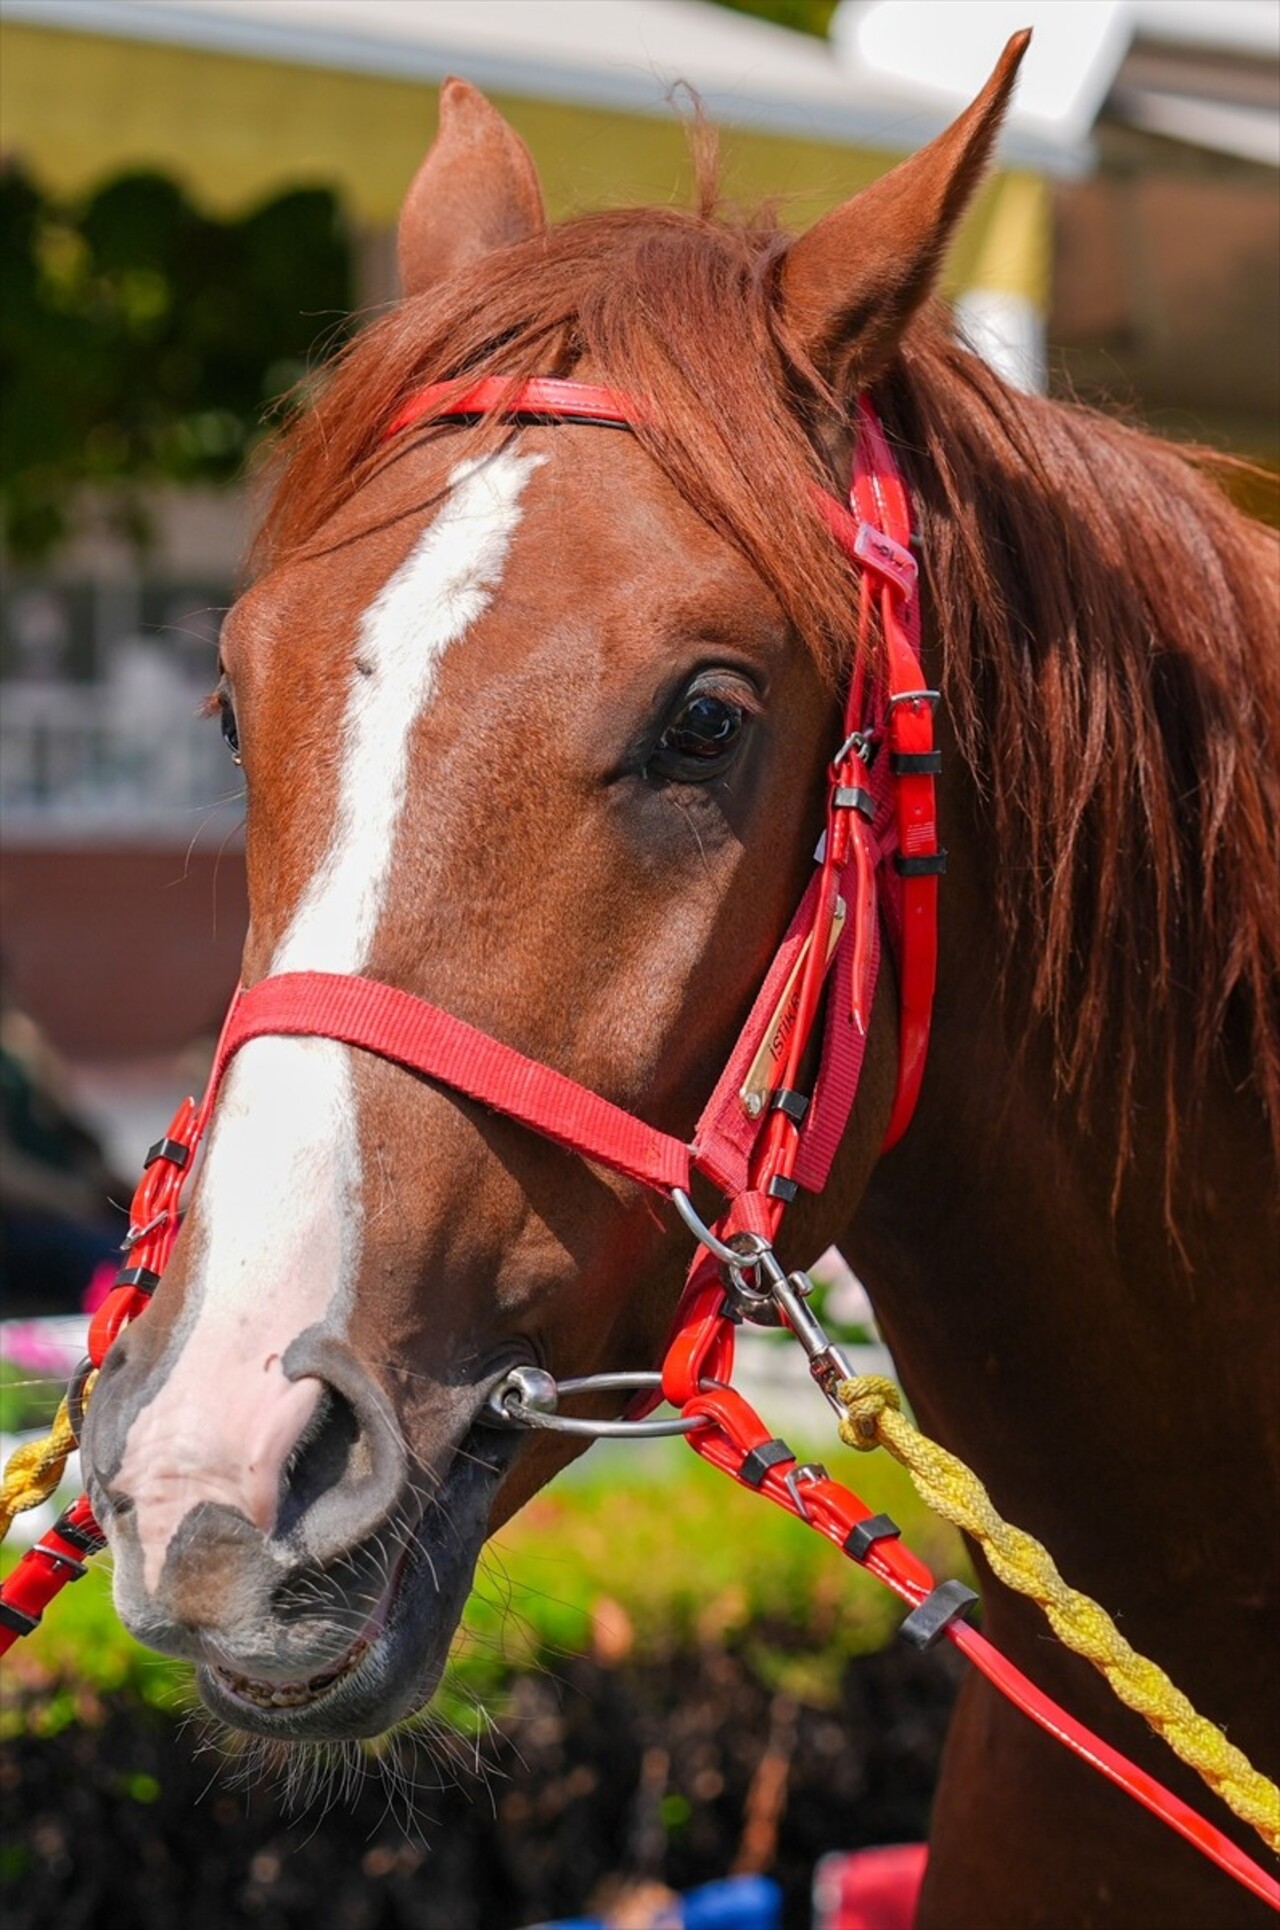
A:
{"x": 832, "y": 1510}
{"x": 725, "y": 1135}
{"x": 419, "y": 1036}
{"x": 45, "y": 1569}
{"x": 881, "y": 500}
{"x": 502, "y": 395}
{"x": 1117, "y": 1769}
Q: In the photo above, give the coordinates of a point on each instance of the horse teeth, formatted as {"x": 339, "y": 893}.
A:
{"x": 294, "y": 1695}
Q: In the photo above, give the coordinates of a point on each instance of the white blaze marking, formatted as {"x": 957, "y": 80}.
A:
{"x": 280, "y": 1196}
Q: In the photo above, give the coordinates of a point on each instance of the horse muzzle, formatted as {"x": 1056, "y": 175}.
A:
{"x": 317, "y": 1596}
{"x": 390, "y": 1666}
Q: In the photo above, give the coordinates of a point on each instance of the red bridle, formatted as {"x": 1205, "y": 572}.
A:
{"x": 759, "y": 1138}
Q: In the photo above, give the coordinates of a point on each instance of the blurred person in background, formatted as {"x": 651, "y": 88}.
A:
{"x": 61, "y": 1217}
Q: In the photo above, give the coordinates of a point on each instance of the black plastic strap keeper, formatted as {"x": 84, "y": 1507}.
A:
{"x": 142, "y": 1279}
{"x": 864, "y": 1535}
{"x": 17, "y": 1619}
{"x": 171, "y": 1149}
{"x": 758, "y": 1461}
{"x": 794, "y": 1104}
{"x": 929, "y": 864}
{"x": 77, "y": 1537}
{"x": 782, "y": 1188}
{"x": 926, "y": 1624}
{"x": 852, "y": 797}
{"x": 916, "y": 763}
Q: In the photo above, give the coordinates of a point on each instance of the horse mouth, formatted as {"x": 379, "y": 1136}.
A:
{"x": 292, "y": 1695}
{"x": 394, "y": 1664}
{"x": 304, "y": 1694}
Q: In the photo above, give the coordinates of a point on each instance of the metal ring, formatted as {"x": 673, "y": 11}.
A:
{"x": 519, "y": 1415}
{"x": 737, "y": 1259}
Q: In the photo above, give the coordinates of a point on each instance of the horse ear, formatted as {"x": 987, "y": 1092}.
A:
{"x": 477, "y": 189}
{"x": 852, "y": 283}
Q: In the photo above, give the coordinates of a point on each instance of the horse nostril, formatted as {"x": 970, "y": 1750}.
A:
{"x": 327, "y": 1453}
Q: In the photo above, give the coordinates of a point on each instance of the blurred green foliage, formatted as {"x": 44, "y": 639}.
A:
{"x": 144, "y": 341}
{"x": 27, "y": 1400}
{"x": 627, "y": 1558}
{"x": 804, "y": 16}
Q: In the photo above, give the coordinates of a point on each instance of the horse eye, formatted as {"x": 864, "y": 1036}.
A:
{"x": 700, "y": 738}
{"x": 227, "y": 720}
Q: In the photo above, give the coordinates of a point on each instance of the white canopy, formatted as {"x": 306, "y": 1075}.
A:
{"x": 620, "y": 54}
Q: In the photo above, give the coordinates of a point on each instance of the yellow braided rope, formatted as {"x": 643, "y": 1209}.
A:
{"x": 34, "y": 1470}
{"x": 951, "y": 1489}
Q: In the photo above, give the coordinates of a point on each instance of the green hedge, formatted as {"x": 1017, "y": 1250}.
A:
{"x": 638, "y": 1553}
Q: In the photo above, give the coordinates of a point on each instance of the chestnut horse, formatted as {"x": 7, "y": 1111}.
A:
{"x": 534, "y": 722}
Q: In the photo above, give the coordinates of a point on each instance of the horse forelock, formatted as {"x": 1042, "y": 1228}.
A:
{"x": 1115, "y": 701}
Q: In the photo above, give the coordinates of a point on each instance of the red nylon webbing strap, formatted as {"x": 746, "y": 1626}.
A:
{"x": 422, "y": 1038}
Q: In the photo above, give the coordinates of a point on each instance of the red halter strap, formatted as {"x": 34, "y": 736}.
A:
{"x": 757, "y": 1134}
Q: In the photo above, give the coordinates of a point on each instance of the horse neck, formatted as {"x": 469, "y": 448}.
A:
{"x": 1114, "y": 1392}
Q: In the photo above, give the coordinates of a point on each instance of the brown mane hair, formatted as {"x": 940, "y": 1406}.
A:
{"x": 1106, "y": 617}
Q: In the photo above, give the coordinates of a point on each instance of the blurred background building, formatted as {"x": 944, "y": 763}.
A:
{"x": 197, "y": 194}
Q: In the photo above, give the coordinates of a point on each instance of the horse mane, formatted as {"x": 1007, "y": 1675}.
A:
{"x": 1106, "y": 616}
{"x": 1107, "y": 619}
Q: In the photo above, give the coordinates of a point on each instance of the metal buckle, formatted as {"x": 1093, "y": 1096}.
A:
{"x": 787, "y": 1293}
{"x": 931, "y": 697}
{"x": 803, "y": 1476}
{"x": 859, "y": 743}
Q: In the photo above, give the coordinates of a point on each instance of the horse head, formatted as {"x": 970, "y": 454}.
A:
{"x": 534, "y": 719}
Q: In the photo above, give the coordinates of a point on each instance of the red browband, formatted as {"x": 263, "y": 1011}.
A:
{"x": 759, "y": 1137}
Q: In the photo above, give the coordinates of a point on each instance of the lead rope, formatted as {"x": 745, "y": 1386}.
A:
{"x": 875, "y": 1419}
{"x": 33, "y": 1471}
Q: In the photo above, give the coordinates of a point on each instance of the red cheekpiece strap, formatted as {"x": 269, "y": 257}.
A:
{"x": 396, "y": 1025}
{"x": 875, "y": 532}
{"x": 883, "y": 544}
{"x": 725, "y": 1136}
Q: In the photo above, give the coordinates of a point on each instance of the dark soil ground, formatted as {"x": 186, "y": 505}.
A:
{"x": 674, "y": 1771}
